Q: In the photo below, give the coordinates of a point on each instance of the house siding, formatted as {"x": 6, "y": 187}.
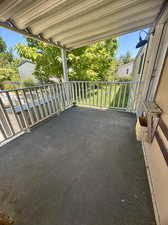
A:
{"x": 125, "y": 69}
{"x": 26, "y": 71}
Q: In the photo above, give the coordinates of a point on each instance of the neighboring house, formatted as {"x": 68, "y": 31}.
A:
{"x": 55, "y": 79}
{"x": 125, "y": 69}
{"x": 26, "y": 70}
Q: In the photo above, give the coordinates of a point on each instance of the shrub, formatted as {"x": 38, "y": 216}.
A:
{"x": 28, "y": 82}
{"x": 121, "y": 78}
{"x": 7, "y": 85}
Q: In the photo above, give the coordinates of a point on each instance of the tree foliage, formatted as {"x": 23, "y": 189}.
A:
{"x": 86, "y": 63}
{"x": 8, "y": 64}
{"x": 3, "y": 46}
{"x": 124, "y": 59}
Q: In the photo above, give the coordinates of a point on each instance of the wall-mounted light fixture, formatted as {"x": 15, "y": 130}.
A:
{"x": 141, "y": 42}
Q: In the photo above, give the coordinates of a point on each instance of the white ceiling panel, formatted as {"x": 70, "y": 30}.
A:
{"x": 74, "y": 23}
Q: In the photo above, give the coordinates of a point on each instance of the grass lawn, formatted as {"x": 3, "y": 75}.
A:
{"x": 105, "y": 96}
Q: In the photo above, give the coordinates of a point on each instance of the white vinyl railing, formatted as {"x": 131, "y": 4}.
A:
{"x": 21, "y": 109}
{"x": 109, "y": 95}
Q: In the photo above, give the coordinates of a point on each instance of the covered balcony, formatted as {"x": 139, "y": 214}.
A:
{"x": 69, "y": 154}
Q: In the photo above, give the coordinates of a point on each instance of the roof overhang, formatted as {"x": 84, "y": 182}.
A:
{"x": 74, "y": 23}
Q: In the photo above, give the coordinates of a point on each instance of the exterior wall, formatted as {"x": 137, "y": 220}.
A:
{"x": 125, "y": 69}
{"x": 137, "y": 76}
{"x": 149, "y": 63}
{"x": 26, "y": 71}
{"x": 155, "y": 88}
{"x": 156, "y": 161}
{"x": 139, "y": 63}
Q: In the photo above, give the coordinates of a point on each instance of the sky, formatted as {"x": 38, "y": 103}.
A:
{"x": 126, "y": 42}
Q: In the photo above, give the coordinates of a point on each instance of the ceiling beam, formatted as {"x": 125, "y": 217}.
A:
{"x": 142, "y": 9}
{"x": 27, "y": 32}
{"x": 125, "y": 25}
{"x": 107, "y": 36}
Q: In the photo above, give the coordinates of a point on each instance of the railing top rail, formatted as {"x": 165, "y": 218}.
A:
{"x": 108, "y": 82}
{"x": 26, "y": 88}
{"x": 49, "y": 84}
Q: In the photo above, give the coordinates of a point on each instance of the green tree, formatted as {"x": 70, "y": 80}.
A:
{"x": 86, "y": 63}
{"x": 3, "y": 46}
{"x": 8, "y": 64}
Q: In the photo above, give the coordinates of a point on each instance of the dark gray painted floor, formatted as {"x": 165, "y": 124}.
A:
{"x": 84, "y": 167}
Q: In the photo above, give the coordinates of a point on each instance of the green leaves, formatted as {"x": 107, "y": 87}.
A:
{"x": 3, "y": 46}
{"x": 124, "y": 59}
{"x": 8, "y": 64}
{"x": 86, "y": 63}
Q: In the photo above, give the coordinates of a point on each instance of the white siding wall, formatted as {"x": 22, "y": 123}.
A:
{"x": 26, "y": 70}
{"x": 125, "y": 69}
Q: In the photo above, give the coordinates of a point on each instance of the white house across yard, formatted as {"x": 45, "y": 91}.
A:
{"x": 26, "y": 70}
{"x": 125, "y": 69}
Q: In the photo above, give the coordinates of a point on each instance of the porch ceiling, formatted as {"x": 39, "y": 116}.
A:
{"x": 75, "y": 23}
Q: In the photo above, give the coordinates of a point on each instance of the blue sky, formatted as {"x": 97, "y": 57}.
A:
{"x": 126, "y": 42}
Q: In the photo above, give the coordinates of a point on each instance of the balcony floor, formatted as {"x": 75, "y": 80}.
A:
{"x": 84, "y": 167}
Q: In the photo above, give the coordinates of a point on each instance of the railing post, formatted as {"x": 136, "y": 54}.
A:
{"x": 65, "y": 73}
{"x": 64, "y": 64}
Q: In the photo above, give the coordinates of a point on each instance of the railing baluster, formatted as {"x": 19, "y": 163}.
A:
{"x": 105, "y": 95}
{"x": 93, "y": 92}
{"x": 44, "y": 104}
{"x": 54, "y": 99}
{"x": 13, "y": 110}
{"x": 70, "y": 93}
{"x": 110, "y": 87}
{"x": 80, "y": 100}
{"x": 97, "y": 99}
{"x": 119, "y": 96}
{"x": 76, "y": 92}
{"x": 6, "y": 117}
{"x": 123, "y": 103}
{"x": 73, "y": 92}
{"x": 60, "y": 93}
{"x": 3, "y": 131}
{"x": 57, "y": 99}
{"x": 28, "y": 109}
{"x": 34, "y": 105}
{"x": 134, "y": 94}
{"x": 114, "y": 96}
{"x": 66, "y": 93}
{"x": 42, "y": 115}
{"x": 48, "y": 100}
{"x": 89, "y": 93}
{"x": 101, "y": 92}
{"x": 23, "y": 113}
{"x": 79, "y": 92}
{"x": 83, "y": 95}
{"x": 86, "y": 93}
{"x": 64, "y": 96}
{"x": 130, "y": 98}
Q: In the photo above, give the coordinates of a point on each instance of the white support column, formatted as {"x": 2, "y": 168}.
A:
{"x": 64, "y": 64}
{"x": 65, "y": 73}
